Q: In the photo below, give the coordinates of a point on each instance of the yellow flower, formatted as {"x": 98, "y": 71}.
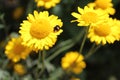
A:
{"x": 117, "y": 24}
{"x": 73, "y": 62}
{"x": 19, "y": 69}
{"x": 47, "y": 3}
{"x": 103, "y": 4}
{"x": 40, "y": 31}
{"x": 15, "y": 50}
{"x": 89, "y": 16}
{"x": 104, "y": 32}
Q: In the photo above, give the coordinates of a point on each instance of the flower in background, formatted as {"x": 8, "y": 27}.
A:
{"x": 104, "y": 32}
{"x": 73, "y": 62}
{"x": 104, "y": 5}
{"x": 40, "y": 31}
{"x": 117, "y": 23}
{"x": 19, "y": 69}
{"x": 15, "y": 50}
{"x": 47, "y": 3}
{"x": 17, "y": 13}
{"x": 89, "y": 16}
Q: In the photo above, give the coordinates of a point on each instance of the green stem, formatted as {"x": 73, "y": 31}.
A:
{"x": 30, "y": 7}
{"x": 43, "y": 64}
{"x": 40, "y": 65}
{"x": 90, "y": 52}
{"x": 68, "y": 44}
{"x": 39, "y": 58}
{"x": 93, "y": 49}
{"x": 58, "y": 52}
{"x": 84, "y": 39}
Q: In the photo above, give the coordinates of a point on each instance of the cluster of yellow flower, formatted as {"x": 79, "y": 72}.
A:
{"x": 102, "y": 28}
{"x": 40, "y": 31}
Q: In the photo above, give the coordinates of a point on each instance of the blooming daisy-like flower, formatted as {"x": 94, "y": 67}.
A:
{"x": 15, "y": 50}
{"x": 19, "y": 69}
{"x": 117, "y": 24}
{"x": 104, "y": 32}
{"x": 89, "y": 16}
{"x": 47, "y": 3}
{"x": 73, "y": 62}
{"x": 103, "y": 4}
{"x": 40, "y": 31}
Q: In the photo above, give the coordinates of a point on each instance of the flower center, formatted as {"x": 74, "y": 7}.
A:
{"x": 47, "y": 0}
{"x": 102, "y": 4}
{"x": 102, "y": 30}
{"x": 90, "y": 17}
{"x": 40, "y": 29}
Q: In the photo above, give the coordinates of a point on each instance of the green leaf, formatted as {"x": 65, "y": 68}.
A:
{"x": 56, "y": 74}
{"x": 49, "y": 66}
{"x": 4, "y": 75}
{"x": 1, "y": 26}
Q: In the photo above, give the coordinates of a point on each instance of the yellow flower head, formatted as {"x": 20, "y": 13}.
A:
{"x": 40, "y": 31}
{"x": 103, "y": 4}
{"x": 47, "y": 3}
{"x": 117, "y": 24}
{"x": 89, "y": 16}
{"x": 15, "y": 50}
{"x": 19, "y": 69}
{"x": 104, "y": 32}
{"x": 73, "y": 62}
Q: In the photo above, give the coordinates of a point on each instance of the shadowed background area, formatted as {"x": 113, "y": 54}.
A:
{"x": 103, "y": 65}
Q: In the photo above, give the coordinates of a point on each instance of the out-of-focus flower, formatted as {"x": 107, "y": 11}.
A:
{"x": 73, "y": 62}
{"x": 104, "y": 5}
{"x": 117, "y": 23}
{"x": 47, "y": 3}
{"x": 15, "y": 50}
{"x": 17, "y": 13}
{"x": 104, "y": 32}
{"x": 19, "y": 69}
{"x": 40, "y": 31}
{"x": 89, "y": 16}
{"x": 74, "y": 78}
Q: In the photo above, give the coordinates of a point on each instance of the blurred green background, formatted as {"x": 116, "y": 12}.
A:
{"x": 103, "y": 65}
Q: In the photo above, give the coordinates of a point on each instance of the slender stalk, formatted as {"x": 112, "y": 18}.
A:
{"x": 58, "y": 52}
{"x": 43, "y": 64}
{"x": 39, "y": 59}
{"x": 68, "y": 44}
{"x": 90, "y": 52}
{"x": 84, "y": 39}
{"x": 40, "y": 64}
{"x": 30, "y": 7}
{"x": 93, "y": 49}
